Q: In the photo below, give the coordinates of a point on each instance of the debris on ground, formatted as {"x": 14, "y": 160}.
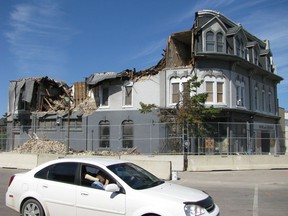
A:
{"x": 38, "y": 146}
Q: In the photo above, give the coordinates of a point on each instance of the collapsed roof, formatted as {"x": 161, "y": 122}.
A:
{"x": 37, "y": 94}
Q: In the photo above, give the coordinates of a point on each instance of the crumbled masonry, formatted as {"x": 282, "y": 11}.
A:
{"x": 38, "y": 146}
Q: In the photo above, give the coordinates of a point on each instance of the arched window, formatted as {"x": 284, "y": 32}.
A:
{"x": 210, "y": 41}
{"x": 127, "y": 134}
{"x": 104, "y": 134}
{"x": 220, "y": 43}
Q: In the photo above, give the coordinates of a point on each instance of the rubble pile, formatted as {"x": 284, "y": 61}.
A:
{"x": 132, "y": 151}
{"x": 87, "y": 107}
{"x": 38, "y": 146}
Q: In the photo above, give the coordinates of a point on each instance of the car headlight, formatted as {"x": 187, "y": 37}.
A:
{"x": 193, "y": 210}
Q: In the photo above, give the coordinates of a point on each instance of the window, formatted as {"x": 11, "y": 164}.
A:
{"x": 256, "y": 56}
{"x": 61, "y": 172}
{"x": 186, "y": 90}
{"x": 105, "y": 95}
{"x": 179, "y": 87}
{"x": 127, "y": 134}
{"x": 219, "y": 92}
{"x": 269, "y": 101}
{"x": 263, "y": 99}
{"x": 209, "y": 91}
{"x": 240, "y": 92}
{"x": 104, "y": 134}
{"x": 210, "y": 42}
{"x": 128, "y": 96}
{"x": 256, "y": 97}
{"x": 214, "y": 87}
{"x": 214, "y": 42}
{"x": 250, "y": 55}
{"x": 175, "y": 93}
{"x": 220, "y": 43}
{"x": 268, "y": 63}
{"x": 238, "y": 49}
{"x": 242, "y": 48}
{"x": 73, "y": 123}
{"x": 47, "y": 123}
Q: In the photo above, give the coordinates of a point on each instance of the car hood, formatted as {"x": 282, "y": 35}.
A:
{"x": 177, "y": 192}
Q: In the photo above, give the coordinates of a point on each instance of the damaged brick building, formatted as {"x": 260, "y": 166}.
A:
{"x": 102, "y": 112}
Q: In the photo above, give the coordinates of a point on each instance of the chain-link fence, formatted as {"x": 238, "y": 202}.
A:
{"x": 156, "y": 138}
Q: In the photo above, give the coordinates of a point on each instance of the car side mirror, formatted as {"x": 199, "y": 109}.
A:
{"x": 112, "y": 188}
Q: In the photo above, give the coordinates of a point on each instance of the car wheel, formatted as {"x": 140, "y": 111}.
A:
{"x": 32, "y": 207}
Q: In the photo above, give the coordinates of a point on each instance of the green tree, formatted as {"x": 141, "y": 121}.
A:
{"x": 4, "y": 117}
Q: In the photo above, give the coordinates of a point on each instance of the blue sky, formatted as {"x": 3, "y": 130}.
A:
{"x": 69, "y": 40}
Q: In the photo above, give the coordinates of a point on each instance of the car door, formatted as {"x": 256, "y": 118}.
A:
{"x": 92, "y": 201}
{"x": 57, "y": 189}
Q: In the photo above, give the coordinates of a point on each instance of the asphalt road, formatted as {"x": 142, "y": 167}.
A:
{"x": 238, "y": 193}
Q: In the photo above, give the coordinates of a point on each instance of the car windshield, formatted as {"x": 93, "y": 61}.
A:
{"x": 135, "y": 176}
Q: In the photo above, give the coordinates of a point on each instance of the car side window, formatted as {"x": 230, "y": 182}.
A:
{"x": 91, "y": 175}
{"x": 61, "y": 172}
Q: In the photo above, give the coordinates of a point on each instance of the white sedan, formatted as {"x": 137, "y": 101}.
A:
{"x": 93, "y": 186}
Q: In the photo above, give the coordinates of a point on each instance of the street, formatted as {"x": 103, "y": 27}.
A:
{"x": 248, "y": 193}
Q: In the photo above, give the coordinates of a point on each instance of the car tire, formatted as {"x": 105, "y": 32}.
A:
{"x": 32, "y": 207}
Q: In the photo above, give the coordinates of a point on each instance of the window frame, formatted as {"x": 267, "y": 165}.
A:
{"x": 128, "y": 97}
{"x": 104, "y": 138}
{"x": 220, "y": 43}
{"x": 104, "y": 96}
{"x": 256, "y": 97}
{"x": 210, "y": 43}
{"x": 127, "y": 138}
{"x": 46, "y": 173}
{"x": 240, "y": 93}
{"x": 215, "y": 81}
{"x": 181, "y": 83}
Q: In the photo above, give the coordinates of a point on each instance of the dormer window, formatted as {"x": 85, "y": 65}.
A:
{"x": 210, "y": 42}
{"x": 214, "y": 42}
{"x": 269, "y": 65}
{"x": 240, "y": 51}
{"x": 256, "y": 56}
{"x": 220, "y": 42}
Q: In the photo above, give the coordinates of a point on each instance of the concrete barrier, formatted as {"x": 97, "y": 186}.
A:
{"x": 236, "y": 162}
{"x": 18, "y": 161}
{"x": 163, "y": 165}
{"x": 161, "y": 169}
{"x": 177, "y": 161}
